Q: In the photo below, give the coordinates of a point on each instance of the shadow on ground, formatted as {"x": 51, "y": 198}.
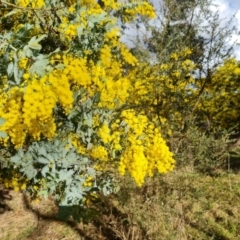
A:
{"x": 107, "y": 222}
{"x": 4, "y": 196}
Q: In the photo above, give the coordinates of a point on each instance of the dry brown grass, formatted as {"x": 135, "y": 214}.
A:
{"x": 23, "y": 220}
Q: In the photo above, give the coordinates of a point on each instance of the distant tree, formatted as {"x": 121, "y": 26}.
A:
{"x": 181, "y": 25}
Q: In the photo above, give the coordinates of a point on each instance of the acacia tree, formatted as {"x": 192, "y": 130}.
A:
{"x": 185, "y": 26}
{"x": 67, "y": 115}
{"x": 188, "y": 81}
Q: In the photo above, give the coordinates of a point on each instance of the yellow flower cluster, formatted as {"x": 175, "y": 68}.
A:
{"x": 222, "y": 101}
{"x": 23, "y": 63}
{"x": 144, "y": 9}
{"x": 68, "y": 28}
{"x": 112, "y": 36}
{"x": 31, "y": 3}
{"x": 113, "y": 4}
{"x": 159, "y": 155}
{"x": 60, "y": 85}
{"x": 114, "y": 93}
{"x": 105, "y": 134}
{"x": 140, "y": 145}
{"x": 135, "y": 161}
{"x": 88, "y": 182}
{"x": 99, "y": 152}
{"x": 87, "y": 2}
{"x": 106, "y": 56}
{"x": 30, "y": 111}
{"x": 91, "y": 198}
{"x": 39, "y": 101}
{"x": 36, "y": 103}
{"x": 14, "y": 182}
{"x": 77, "y": 71}
{"x": 78, "y": 144}
{"x": 127, "y": 56}
{"x": 145, "y": 149}
{"x": 160, "y": 88}
{"x": 11, "y": 106}
{"x": 116, "y": 138}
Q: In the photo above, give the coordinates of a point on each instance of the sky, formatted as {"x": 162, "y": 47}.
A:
{"x": 227, "y": 8}
{"x": 235, "y": 4}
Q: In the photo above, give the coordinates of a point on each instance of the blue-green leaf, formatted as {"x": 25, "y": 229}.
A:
{"x": 16, "y": 159}
{"x": 34, "y": 42}
{"x": 45, "y": 170}
{"x": 39, "y": 67}
{"x": 10, "y": 69}
{"x": 43, "y": 160}
{"x": 42, "y": 151}
{"x": 2, "y": 121}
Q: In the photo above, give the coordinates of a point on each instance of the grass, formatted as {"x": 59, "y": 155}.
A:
{"x": 181, "y": 205}
{"x": 21, "y": 221}
{"x": 186, "y": 205}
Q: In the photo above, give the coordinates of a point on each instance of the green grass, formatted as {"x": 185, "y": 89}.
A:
{"x": 184, "y": 205}
{"x": 181, "y": 205}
